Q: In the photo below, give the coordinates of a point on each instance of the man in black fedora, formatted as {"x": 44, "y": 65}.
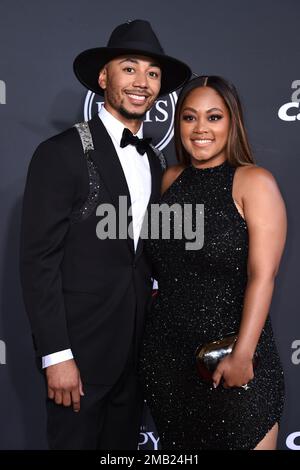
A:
{"x": 86, "y": 294}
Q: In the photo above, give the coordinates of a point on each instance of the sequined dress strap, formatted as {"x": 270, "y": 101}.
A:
{"x": 94, "y": 180}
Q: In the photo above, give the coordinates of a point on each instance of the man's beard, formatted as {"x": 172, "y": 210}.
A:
{"x": 120, "y": 109}
{"x": 134, "y": 116}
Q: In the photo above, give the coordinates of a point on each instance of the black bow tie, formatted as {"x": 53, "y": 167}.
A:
{"x": 141, "y": 144}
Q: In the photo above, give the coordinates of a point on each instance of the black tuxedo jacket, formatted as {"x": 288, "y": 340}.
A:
{"x": 81, "y": 292}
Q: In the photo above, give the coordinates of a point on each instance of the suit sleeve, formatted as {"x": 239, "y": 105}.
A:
{"x": 47, "y": 205}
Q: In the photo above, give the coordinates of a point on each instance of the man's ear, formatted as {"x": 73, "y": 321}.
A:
{"x": 102, "y": 79}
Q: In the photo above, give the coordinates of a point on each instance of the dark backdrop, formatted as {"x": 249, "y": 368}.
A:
{"x": 255, "y": 44}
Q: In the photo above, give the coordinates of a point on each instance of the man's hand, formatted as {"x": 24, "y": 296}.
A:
{"x": 64, "y": 384}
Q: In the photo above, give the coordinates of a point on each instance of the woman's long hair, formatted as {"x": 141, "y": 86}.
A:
{"x": 238, "y": 150}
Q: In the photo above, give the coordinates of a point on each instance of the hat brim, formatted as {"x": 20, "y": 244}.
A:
{"x": 88, "y": 64}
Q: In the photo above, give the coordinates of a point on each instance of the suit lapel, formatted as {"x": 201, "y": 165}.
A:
{"x": 155, "y": 170}
{"x": 109, "y": 166}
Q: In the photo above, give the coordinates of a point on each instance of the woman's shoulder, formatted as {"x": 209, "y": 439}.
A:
{"x": 251, "y": 178}
{"x": 170, "y": 175}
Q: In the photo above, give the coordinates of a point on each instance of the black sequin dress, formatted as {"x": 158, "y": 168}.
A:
{"x": 200, "y": 299}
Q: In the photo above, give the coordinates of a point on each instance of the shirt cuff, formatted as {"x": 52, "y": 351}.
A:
{"x": 56, "y": 358}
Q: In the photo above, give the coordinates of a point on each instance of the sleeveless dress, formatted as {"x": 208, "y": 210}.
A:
{"x": 200, "y": 299}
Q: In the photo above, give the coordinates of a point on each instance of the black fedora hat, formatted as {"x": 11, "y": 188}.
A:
{"x": 134, "y": 37}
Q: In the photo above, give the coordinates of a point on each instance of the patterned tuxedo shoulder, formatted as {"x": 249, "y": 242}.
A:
{"x": 94, "y": 180}
{"x": 160, "y": 155}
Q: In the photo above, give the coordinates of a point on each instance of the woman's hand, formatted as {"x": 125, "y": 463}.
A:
{"x": 235, "y": 370}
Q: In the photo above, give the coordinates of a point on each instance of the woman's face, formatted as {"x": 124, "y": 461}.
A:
{"x": 204, "y": 127}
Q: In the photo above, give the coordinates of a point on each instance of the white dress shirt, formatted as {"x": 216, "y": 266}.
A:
{"x": 138, "y": 177}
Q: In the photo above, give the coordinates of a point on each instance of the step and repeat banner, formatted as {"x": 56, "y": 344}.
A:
{"x": 255, "y": 44}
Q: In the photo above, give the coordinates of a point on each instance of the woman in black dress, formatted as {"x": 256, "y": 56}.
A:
{"x": 226, "y": 286}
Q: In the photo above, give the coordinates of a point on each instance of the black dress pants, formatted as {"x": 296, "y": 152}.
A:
{"x": 109, "y": 416}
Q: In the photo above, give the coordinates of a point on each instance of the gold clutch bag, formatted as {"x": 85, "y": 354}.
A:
{"x": 209, "y": 355}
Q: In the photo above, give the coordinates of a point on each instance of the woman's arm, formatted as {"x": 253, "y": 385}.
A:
{"x": 265, "y": 215}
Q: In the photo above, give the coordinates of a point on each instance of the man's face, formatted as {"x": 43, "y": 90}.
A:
{"x": 131, "y": 85}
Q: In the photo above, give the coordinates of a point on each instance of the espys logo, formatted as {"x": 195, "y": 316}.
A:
{"x": 161, "y": 113}
{"x": 148, "y": 441}
{"x": 2, "y": 352}
{"x": 291, "y": 111}
{"x": 2, "y": 92}
{"x": 295, "y": 358}
{"x": 293, "y": 441}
